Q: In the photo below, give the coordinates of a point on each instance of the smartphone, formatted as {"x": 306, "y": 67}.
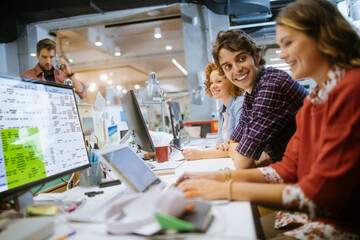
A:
{"x": 57, "y": 61}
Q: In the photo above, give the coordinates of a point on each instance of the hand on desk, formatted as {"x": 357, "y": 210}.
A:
{"x": 192, "y": 154}
{"x": 195, "y": 154}
{"x": 232, "y": 149}
{"x": 224, "y": 146}
{"x": 204, "y": 188}
{"x": 218, "y": 176}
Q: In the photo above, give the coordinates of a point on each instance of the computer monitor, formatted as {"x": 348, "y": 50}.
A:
{"x": 136, "y": 123}
{"x": 176, "y": 121}
{"x": 41, "y": 134}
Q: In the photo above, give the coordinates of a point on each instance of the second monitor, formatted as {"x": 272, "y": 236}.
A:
{"x": 136, "y": 123}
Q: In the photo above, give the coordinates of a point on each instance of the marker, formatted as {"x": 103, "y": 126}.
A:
{"x": 57, "y": 61}
{"x": 177, "y": 148}
{"x": 67, "y": 235}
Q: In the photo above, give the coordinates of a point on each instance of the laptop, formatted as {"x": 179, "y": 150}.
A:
{"x": 130, "y": 168}
{"x": 133, "y": 172}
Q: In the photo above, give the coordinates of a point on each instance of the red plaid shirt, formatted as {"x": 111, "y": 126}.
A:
{"x": 267, "y": 120}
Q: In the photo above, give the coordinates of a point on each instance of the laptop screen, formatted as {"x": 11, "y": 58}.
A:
{"x": 131, "y": 169}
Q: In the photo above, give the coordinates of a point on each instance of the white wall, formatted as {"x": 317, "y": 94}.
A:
{"x": 9, "y": 61}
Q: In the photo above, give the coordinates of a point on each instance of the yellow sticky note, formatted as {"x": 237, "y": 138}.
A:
{"x": 43, "y": 210}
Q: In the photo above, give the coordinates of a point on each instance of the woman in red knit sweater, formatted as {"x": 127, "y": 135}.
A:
{"x": 317, "y": 183}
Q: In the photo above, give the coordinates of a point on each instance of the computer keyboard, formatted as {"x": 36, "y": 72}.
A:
{"x": 94, "y": 209}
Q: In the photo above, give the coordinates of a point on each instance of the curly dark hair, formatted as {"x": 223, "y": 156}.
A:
{"x": 235, "y": 40}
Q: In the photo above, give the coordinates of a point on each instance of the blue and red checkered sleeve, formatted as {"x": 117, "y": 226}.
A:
{"x": 270, "y": 113}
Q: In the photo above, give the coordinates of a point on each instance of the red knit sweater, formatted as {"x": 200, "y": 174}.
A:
{"x": 323, "y": 156}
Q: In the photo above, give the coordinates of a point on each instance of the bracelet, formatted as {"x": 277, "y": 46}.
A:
{"x": 83, "y": 89}
{"x": 229, "y": 190}
{"x": 227, "y": 174}
{"x": 70, "y": 75}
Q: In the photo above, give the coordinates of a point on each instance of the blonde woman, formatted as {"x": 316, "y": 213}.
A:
{"x": 219, "y": 87}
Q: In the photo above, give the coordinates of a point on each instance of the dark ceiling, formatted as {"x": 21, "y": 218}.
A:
{"x": 17, "y": 13}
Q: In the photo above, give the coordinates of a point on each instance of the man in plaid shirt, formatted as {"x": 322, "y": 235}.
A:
{"x": 271, "y": 101}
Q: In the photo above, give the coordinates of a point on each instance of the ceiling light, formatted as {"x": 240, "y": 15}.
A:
{"x": 103, "y": 77}
{"x": 119, "y": 87}
{"x": 33, "y": 54}
{"x": 153, "y": 13}
{"x": 93, "y": 84}
{"x": 98, "y": 41}
{"x": 124, "y": 91}
{"x": 168, "y": 47}
{"x": 109, "y": 82}
{"x": 284, "y": 68}
{"x": 157, "y": 32}
{"x": 275, "y": 59}
{"x": 179, "y": 66}
{"x": 278, "y": 65}
{"x": 71, "y": 60}
{"x": 117, "y": 51}
{"x": 92, "y": 88}
{"x": 136, "y": 86}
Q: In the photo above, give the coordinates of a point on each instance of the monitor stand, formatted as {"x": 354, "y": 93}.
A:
{"x": 23, "y": 200}
{"x": 177, "y": 142}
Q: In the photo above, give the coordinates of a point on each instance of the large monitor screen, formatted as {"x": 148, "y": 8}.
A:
{"x": 136, "y": 122}
{"x": 40, "y": 131}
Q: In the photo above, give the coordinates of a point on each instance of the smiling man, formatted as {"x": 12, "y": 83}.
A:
{"x": 271, "y": 100}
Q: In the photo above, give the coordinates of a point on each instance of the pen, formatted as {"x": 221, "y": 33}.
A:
{"x": 66, "y": 236}
{"x": 177, "y": 148}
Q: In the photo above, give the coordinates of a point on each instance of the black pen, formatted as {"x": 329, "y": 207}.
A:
{"x": 177, "y": 148}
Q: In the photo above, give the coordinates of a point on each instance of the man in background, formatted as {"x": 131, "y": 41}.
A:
{"x": 45, "y": 70}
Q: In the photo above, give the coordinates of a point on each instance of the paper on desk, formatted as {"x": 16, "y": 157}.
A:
{"x": 161, "y": 138}
{"x": 143, "y": 208}
{"x": 50, "y": 196}
{"x": 99, "y": 102}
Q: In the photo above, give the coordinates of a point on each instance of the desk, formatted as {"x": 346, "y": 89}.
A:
{"x": 232, "y": 220}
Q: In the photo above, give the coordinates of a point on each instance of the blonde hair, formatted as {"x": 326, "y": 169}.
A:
{"x": 334, "y": 35}
{"x": 210, "y": 67}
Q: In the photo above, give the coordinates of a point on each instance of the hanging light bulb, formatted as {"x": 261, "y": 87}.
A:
{"x": 98, "y": 41}
{"x": 117, "y": 51}
{"x": 157, "y": 32}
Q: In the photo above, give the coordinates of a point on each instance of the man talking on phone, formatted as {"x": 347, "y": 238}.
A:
{"x": 45, "y": 70}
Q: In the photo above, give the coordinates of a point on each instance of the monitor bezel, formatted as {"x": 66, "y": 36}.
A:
{"x": 145, "y": 132}
{"x": 176, "y": 133}
{"x": 14, "y": 192}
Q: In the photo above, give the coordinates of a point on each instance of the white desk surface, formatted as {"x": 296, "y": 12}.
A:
{"x": 232, "y": 220}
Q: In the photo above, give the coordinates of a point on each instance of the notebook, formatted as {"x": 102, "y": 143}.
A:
{"x": 129, "y": 167}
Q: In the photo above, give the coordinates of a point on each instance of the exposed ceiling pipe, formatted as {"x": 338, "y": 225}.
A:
{"x": 95, "y": 7}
